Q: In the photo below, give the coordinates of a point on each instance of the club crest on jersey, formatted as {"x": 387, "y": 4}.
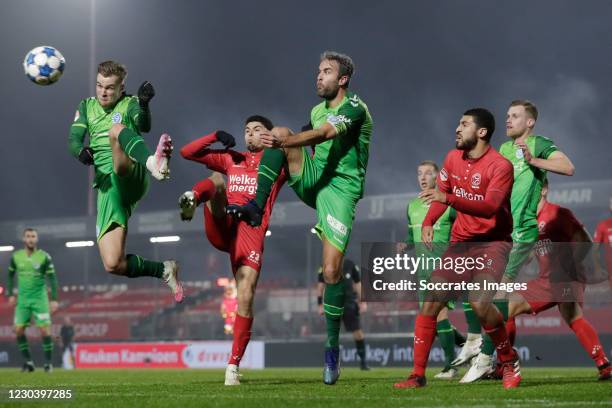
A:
{"x": 116, "y": 118}
{"x": 476, "y": 180}
{"x": 35, "y": 265}
{"x": 519, "y": 153}
{"x": 443, "y": 174}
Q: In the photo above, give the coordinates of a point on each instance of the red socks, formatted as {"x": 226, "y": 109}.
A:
{"x": 587, "y": 336}
{"x": 498, "y": 334}
{"x": 204, "y": 190}
{"x": 242, "y": 335}
{"x": 511, "y": 330}
{"x": 424, "y": 334}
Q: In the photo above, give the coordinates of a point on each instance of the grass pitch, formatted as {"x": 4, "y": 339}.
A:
{"x": 302, "y": 387}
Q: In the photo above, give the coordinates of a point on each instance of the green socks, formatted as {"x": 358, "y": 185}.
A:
{"x": 333, "y": 307}
{"x": 134, "y": 146}
{"x": 270, "y": 166}
{"x": 22, "y": 344}
{"x": 459, "y": 338}
{"x": 447, "y": 341}
{"x": 473, "y": 321}
{"x": 488, "y": 347}
{"x": 137, "y": 267}
{"x": 47, "y": 344}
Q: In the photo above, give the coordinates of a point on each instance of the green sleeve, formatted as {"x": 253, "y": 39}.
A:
{"x": 452, "y": 214}
{"x": 11, "y": 278}
{"x": 350, "y": 116}
{"x": 141, "y": 116}
{"x": 409, "y": 236}
{"x": 544, "y": 147}
{"x": 51, "y": 277}
{"x": 78, "y": 129}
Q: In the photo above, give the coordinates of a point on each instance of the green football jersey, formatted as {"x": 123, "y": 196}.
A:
{"x": 31, "y": 273}
{"x": 345, "y": 157}
{"x": 416, "y": 212}
{"x": 528, "y": 180}
{"x": 97, "y": 121}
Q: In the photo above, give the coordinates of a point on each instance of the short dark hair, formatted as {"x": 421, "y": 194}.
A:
{"x": 110, "y": 68}
{"x": 483, "y": 119}
{"x": 529, "y": 106}
{"x": 347, "y": 67}
{"x": 429, "y": 163}
{"x": 29, "y": 229}
{"x": 261, "y": 119}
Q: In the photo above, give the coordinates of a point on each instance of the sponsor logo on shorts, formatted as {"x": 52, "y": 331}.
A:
{"x": 476, "y": 180}
{"x": 443, "y": 174}
{"x": 462, "y": 193}
{"x": 43, "y": 316}
{"x": 116, "y": 118}
{"x": 336, "y": 225}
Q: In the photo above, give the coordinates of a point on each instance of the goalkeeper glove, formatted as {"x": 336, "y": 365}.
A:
{"x": 146, "y": 92}
{"x": 86, "y": 156}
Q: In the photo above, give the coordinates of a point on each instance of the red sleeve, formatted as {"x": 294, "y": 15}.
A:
{"x": 498, "y": 190}
{"x": 198, "y": 151}
{"x": 442, "y": 179}
{"x": 435, "y": 211}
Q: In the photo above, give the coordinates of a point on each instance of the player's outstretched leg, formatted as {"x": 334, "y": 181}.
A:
{"x": 210, "y": 189}
{"x": 588, "y": 338}
{"x": 134, "y": 146}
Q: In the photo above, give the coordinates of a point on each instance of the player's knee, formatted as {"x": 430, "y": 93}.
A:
{"x": 114, "y": 131}
{"x": 480, "y": 308}
{"x": 45, "y": 331}
{"x": 331, "y": 273}
{"x": 19, "y": 330}
{"x": 113, "y": 266}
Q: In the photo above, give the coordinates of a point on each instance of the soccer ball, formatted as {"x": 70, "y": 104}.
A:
{"x": 44, "y": 65}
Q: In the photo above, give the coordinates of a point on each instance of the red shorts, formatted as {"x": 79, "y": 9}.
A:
{"x": 541, "y": 294}
{"x": 464, "y": 261}
{"x": 244, "y": 243}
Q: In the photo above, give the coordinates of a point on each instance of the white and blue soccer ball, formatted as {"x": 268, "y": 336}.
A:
{"x": 44, "y": 65}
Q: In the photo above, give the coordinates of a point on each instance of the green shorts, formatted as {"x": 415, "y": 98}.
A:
{"x": 335, "y": 209}
{"x": 118, "y": 196}
{"x": 38, "y": 308}
{"x": 523, "y": 240}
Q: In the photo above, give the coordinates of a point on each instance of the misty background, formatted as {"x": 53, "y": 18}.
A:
{"x": 419, "y": 65}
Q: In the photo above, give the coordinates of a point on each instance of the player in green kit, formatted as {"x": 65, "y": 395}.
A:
{"x": 331, "y": 181}
{"x": 122, "y": 162}
{"x": 33, "y": 268}
{"x": 415, "y": 212}
{"x": 531, "y": 156}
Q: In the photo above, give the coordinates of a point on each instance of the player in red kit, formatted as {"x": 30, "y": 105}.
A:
{"x": 476, "y": 181}
{"x": 557, "y": 283}
{"x": 243, "y": 243}
{"x": 603, "y": 240}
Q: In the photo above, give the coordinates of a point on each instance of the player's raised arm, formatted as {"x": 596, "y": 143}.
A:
{"x": 142, "y": 118}
{"x": 199, "y": 150}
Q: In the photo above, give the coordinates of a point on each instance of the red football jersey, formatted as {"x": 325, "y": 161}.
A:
{"x": 555, "y": 224}
{"x": 478, "y": 180}
{"x": 603, "y": 235}
{"x": 240, "y": 168}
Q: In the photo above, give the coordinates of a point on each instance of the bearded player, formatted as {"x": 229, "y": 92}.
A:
{"x": 122, "y": 164}
{"x": 559, "y": 225}
{"x": 243, "y": 242}
{"x": 476, "y": 181}
{"x": 331, "y": 181}
{"x": 532, "y": 156}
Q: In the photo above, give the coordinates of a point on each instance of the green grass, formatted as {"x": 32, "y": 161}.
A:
{"x": 292, "y": 388}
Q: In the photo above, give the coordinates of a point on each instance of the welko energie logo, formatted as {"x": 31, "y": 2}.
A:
{"x": 242, "y": 184}
{"x": 411, "y": 264}
{"x": 462, "y": 193}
